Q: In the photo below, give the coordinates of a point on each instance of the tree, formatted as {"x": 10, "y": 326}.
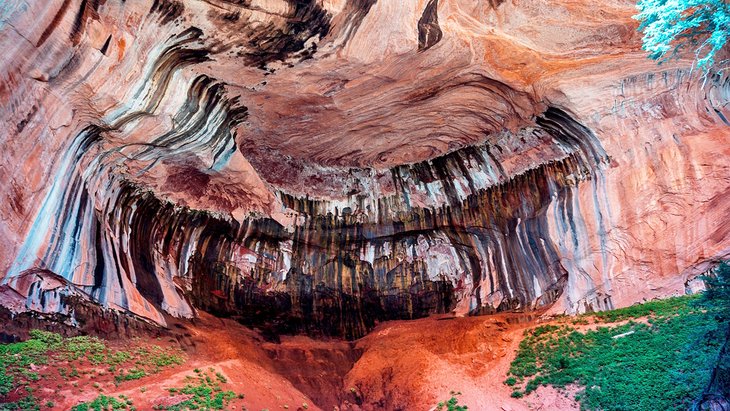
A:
{"x": 671, "y": 26}
{"x": 718, "y": 290}
{"x": 717, "y": 394}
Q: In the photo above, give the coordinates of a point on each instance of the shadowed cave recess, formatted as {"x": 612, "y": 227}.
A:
{"x": 255, "y": 162}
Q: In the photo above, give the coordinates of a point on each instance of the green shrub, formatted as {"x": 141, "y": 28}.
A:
{"x": 205, "y": 394}
{"x": 28, "y": 403}
{"x": 662, "y": 308}
{"x": 50, "y": 339}
{"x": 132, "y": 374}
{"x": 6, "y": 382}
{"x": 451, "y": 405}
{"x": 85, "y": 346}
{"x": 102, "y": 403}
{"x": 65, "y": 354}
{"x": 663, "y": 365}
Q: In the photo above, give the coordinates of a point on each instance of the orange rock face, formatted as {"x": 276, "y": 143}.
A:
{"x": 320, "y": 166}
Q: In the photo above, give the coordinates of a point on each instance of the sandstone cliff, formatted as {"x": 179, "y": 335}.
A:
{"x": 319, "y": 166}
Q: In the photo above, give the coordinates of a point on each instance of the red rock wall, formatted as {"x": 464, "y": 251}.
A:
{"x": 321, "y": 166}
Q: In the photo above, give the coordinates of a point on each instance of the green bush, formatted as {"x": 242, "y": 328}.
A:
{"x": 6, "y": 383}
{"x": 50, "y": 339}
{"x": 102, "y": 403}
{"x": 132, "y": 374}
{"x": 663, "y": 307}
{"x": 452, "y": 404}
{"x": 66, "y": 354}
{"x": 663, "y": 365}
{"x": 205, "y": 392}
{"x": 84, "y": 346}
{"x": 28, "y": 403}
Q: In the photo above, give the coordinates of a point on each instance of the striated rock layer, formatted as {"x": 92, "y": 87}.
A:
{"x": 320, "y": 166}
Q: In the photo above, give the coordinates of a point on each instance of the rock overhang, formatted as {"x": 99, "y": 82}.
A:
{"x": 321, "y": 166}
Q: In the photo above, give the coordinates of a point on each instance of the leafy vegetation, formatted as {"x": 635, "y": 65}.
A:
{"x": 47, "y": 355}
{"x": 718, "y": 295}
{"x": 662, "y": 364}
{"x": 718, "y": 290}
{"x": 671, "y": 26}
{"x": 26, "y": 403}
{"x": 105, "y": 403}
{"x": 452, "y": 404}
{"x": 6, "y": 382}
{"x": 661, "y": 308}
{"x": 204, "y": 391}
{"x": 133, "y": 374}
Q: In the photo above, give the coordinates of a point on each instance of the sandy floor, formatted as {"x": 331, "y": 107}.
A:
{"x": 413, "y": 365}
{"x": 401, "y": 365}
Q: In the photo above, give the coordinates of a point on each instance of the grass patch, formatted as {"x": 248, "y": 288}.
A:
{"x": 133, "y": 374}
{"x": 452, "y": 404}
{"x": 205, "y": 392}
{"x": 155, "y": 358}
{"x": 105, "y": 403}
{"x": 660, "y": 308}
{"x": 50, "y": 355}
{"x": 28, "y": 403}
{"x": 663, "y": 365}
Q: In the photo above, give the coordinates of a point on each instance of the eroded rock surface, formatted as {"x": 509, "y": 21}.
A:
{"x": 320, "y": 166}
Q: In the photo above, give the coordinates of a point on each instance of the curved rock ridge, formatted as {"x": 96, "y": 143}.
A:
{"x": 320, "y": 166}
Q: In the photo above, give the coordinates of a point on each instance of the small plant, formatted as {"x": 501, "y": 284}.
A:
{"x": 28, "y": 403}
{"x": 6, "y": 383}
{"x": 205, "y": 393}
{"x": 452, "y": 404}
{"x": 103, "y": 403}
{"x": 71, "y": 358}
{"x": 132, "y": 374}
